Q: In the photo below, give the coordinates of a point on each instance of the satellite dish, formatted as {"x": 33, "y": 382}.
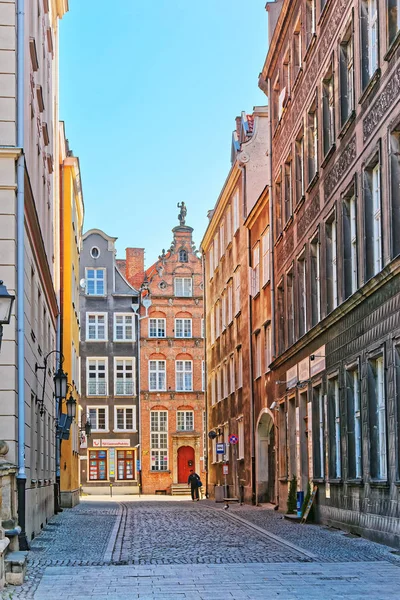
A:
{"x": 82, "y": 283}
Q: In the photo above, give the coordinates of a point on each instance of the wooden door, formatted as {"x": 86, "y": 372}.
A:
{"x": 185, "y": 463}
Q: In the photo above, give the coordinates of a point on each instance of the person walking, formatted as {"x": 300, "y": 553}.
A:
{"x": 195, "y": 483}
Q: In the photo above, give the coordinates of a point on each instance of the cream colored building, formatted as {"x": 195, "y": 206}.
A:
{"x": 29, "y": 251}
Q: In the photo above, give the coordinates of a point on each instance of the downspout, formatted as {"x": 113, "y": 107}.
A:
{"x": 139, "y": 475}
{"x": 205, "y": 449}
{"x": 272, "y": 276}
{"x": 250, "y": 329}
{"x": 21, "y": 475}
{"x": 57, "y": 485}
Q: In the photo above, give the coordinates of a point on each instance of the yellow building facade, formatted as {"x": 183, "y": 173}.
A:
{"x": 71, "y": 224}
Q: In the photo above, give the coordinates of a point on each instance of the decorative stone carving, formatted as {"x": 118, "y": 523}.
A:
{"x": 285, "y": 249}
{"x": 182, "y": 214}
{"x": 307, "y": 216}
{"x": 340, "y": 168}
{"x": 383, "y": 102}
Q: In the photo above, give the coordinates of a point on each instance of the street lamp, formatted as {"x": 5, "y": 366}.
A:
{"x": 71, "y": 406}
{"x": 60, "y": 383}
{"x": 60, "y": 379}
{"x": 6, "y": 302}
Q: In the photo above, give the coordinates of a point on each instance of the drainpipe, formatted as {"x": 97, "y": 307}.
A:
{"x": 272, "y": 277}
{"x": 139, "y": 475}
{"x": 205, "y": 448}
{"x": 250, "y": 329}
{"x": 21, "y": 475}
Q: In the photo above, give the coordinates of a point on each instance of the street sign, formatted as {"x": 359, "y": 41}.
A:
{"x": 138, "y": 465}
{"x": 233, "y": 439}
{"x": 220, "y": 448}
{"x": 225, "y": 470}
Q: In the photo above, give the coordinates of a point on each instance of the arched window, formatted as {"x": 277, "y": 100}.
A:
{"x": 183, "y": 256}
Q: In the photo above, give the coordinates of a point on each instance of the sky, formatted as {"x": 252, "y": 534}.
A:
{"x": 149, "y": 92}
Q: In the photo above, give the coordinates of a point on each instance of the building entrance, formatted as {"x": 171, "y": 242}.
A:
{"x": 266, "y": 459}
{"x": 185, "y": 463}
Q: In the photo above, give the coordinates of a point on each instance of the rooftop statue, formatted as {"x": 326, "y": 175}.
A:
{"x": 182, "y": 214}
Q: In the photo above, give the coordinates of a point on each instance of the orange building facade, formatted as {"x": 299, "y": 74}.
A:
{"x": 172, "y": 406}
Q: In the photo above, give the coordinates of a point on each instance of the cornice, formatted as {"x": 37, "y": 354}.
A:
{"x": 276, "y": 38}
{"x": 10, "y": 152}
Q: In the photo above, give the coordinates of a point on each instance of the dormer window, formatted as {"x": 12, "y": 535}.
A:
{"x": 183, "y": 256}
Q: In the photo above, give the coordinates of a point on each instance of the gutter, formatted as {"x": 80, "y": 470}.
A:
{"x": 21, "y": 475}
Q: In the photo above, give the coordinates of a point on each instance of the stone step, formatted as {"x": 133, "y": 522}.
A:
{"x": 15, "y": 567}
{"x": 180, "y": 489}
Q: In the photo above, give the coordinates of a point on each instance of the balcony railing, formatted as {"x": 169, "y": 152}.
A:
{"x": 124, "y": 388}
{"x": 97, "y": 387}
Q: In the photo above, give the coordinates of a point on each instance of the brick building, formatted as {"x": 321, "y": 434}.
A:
{"x": 171, "y": 363}
{"x": 236, "y": 399}
{"x": 332, "y": 78}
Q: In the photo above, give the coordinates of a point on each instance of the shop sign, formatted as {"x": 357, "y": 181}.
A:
{"x": 111, "y": 462}
{"x": 291, "y": 377}
{"x": 225, "y": 469}
{"x": 116, "y": 443}
{"x": 304, "y": 369}
{"x": 96, "y": 443}
{"x": 83, "y": 440}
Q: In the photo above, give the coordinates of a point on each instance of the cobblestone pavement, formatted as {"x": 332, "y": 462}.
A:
{"x": 147, "y": 549}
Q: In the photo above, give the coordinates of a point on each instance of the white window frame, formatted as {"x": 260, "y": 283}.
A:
{"x": 225, "y": 388}
{"x": 257, "y": 343}
{"x": 161, "y": 448}
{"x": 239, "y": 364}
{"x": 184, "y": 281}
{"x": 158, "y": 371}
{"x": 240, "y": 438}
{"x": 265, "y": 256}
{"x": 97, "y": 380}
{"x": 373, "y": 35}
{"x": 160, "y": 324}
{"x": 94, "y": 426}
{"x": 267, "y": 347}
{"x": 124, "y": 408}
{"x": 180, "y": 373}
{"x": 183, "y": 328}
{"x": 228, "y": 225}
{"x": 185, "y": 415}
{"x": 96, "y": 326}
{"x": 124, "y": 326}
{"x": 124, "y": 371}
{"x": 237, "y": 291}
{"x": 232, "y": 374}
{"x": 213, "y": 388}
{"x": 377, "y": 225}
{"x": 230, "y": 301}
{"x": 211, "y": 260}
{"x": 219, "y": 384}
{"x": 203, "y": 376}
{"x": 236, "y": 216}
{"x": 96, "y": 281}
{"x": 256, "y": 269}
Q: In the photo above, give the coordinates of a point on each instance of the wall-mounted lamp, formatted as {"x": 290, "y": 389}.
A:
{"x": 6, "y": 303}
{"x": 60, "y": 379}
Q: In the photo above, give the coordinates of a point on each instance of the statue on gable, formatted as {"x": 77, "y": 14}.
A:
{"x": 182, "y": 214}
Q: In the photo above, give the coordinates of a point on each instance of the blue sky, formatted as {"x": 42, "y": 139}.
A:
{"x": 149, "y": 93}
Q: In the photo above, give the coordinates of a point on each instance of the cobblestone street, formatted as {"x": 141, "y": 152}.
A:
{"x": 167, "y": 549}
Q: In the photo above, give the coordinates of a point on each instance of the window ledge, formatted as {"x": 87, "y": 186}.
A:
{"x": 256, "y": 295}
{"x": 124, "y": 431}
{"x": 378, "y": 483}
{"x": 239, "y": 312}
{"x": 33, "y": 336}
{"x": 324, "y": 13}
{"x": 312, "y": 182}
{"x": 355, "y": 482}
{"x": 310, "y": 47}
{"x": 371, "y": 86}
{"x": 100, "y": 431}
{"x": 266, "y": 283}
{"x": 336, "y": 481}
{"x": 299, "y": 204}
{"x": 319, "y": 480}
{"x": 347, "y": 124}
{"x": 159, "y": 471}
{"x": 393, "y": 47}
{"x": 283, "y": 479}
{"x": 278, "y": 239}
{"x": 288, "y": 223}
{"x": 328, "y": 156}
{"x": 297, "y": 80}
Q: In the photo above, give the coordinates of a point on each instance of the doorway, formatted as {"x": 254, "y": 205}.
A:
{"x": 185, "y": 463}
{"x": 266, "y": 459}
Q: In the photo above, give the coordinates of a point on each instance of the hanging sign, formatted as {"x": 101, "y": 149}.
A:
{"x": 220, "y": 448}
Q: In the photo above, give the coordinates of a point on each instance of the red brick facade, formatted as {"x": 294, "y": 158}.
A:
{"x": 170, "y": 362}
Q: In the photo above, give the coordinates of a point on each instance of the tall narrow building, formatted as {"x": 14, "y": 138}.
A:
{"x": 171, "y": 363}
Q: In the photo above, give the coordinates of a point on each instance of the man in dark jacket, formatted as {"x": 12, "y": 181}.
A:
{"x": 193, "y": 481}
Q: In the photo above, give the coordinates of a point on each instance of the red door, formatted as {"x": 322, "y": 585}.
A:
{"x": 185, "y": 463}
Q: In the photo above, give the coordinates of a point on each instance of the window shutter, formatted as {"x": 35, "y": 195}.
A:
{"x": 347, "y": 249}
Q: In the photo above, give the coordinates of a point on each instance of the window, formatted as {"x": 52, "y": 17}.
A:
{"x": 222, "y": 239}
{"x": 157, "y": 328}
{"x": 98, "y": 465}
{"x": 184, "y": 375}
{"x": 377, "y": 418}
{"x": 354, "y": 440}
{"x": 310, "y": 21}
{"x": 232, "y": 374}
{"x": 297, "y": 50}
{"x": 216, "y": 251}
{"x": 212, "y": 324}
{"x": 219, "y": 385}
{"x": 223, "y": 311}
{"x": 318, "y": 432}
{"x": 225, "y": 389}
{"x": 350, "y": 244}
{"x": 236, "y": 283}
{"x": 95, "y": 282}
{"x": 241, "y": 439}
{"x": 346, "y": 73}
{"x": 230, "y": 302}
{"x": 125, "y": 418}
{"x": 97, "y": 382}
{"x": 256, "y": 269}
{"x": 98, "y": 418}
{"x": 159, "y": 440}
{"x": 299, "y": 166}
{"x": 286, "y": 69}
{"x": 96, "y": 327}
{"x": 331, "y": 265}
{"x": 213, "y": 388}
{"x": 397, "y": 406}
{"x": 226, "y": 441}
{"x": 278, "y": 205}
{"x": 265, "y": 256}
{"x": 157, "y": 375}
{"x": 290, "y": 307}
{"x": 235, "y": 212}
{"x": 288, "y": 190}
{"x": 228, "y": 225}
{"x": 393, "y": 10}
{"x": 94, "y": 251}
{"x": 124, "y": 376}
{"x": 183, "y": 286}
{"x": 125, "y": 464}
{"x": 282, "y": 432}
{"x": 183, "y": 256}
{"x": 185, "y": 420}
{"x": 239, "y": 378}
{"x": 258, "y": 355}
{"x": 277, "y": 108}
{"x": 302, "y": 287}
{"x": 369, "y": 40}
{"x": 267, "y": 347}
{"x": 202, "y": 331}
{"x": 335, "y": 466}
{"x": 123, "y": 327}
{"x": 281, "y": 317}
{"x": 372, "y": 216}
{"x": 315, "y": 281}
{"x": 183, "y": 328}
{"x": 203, "y": 376}
{"x": 217, "y": 319}
{"x": 211, "y": 260}
{"x": 312, "y": 143}
{"x": 328, "y": 112}
{"x": 394, "y": 156}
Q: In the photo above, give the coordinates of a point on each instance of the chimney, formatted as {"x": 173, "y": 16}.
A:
{"x": 134, "y": 270}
